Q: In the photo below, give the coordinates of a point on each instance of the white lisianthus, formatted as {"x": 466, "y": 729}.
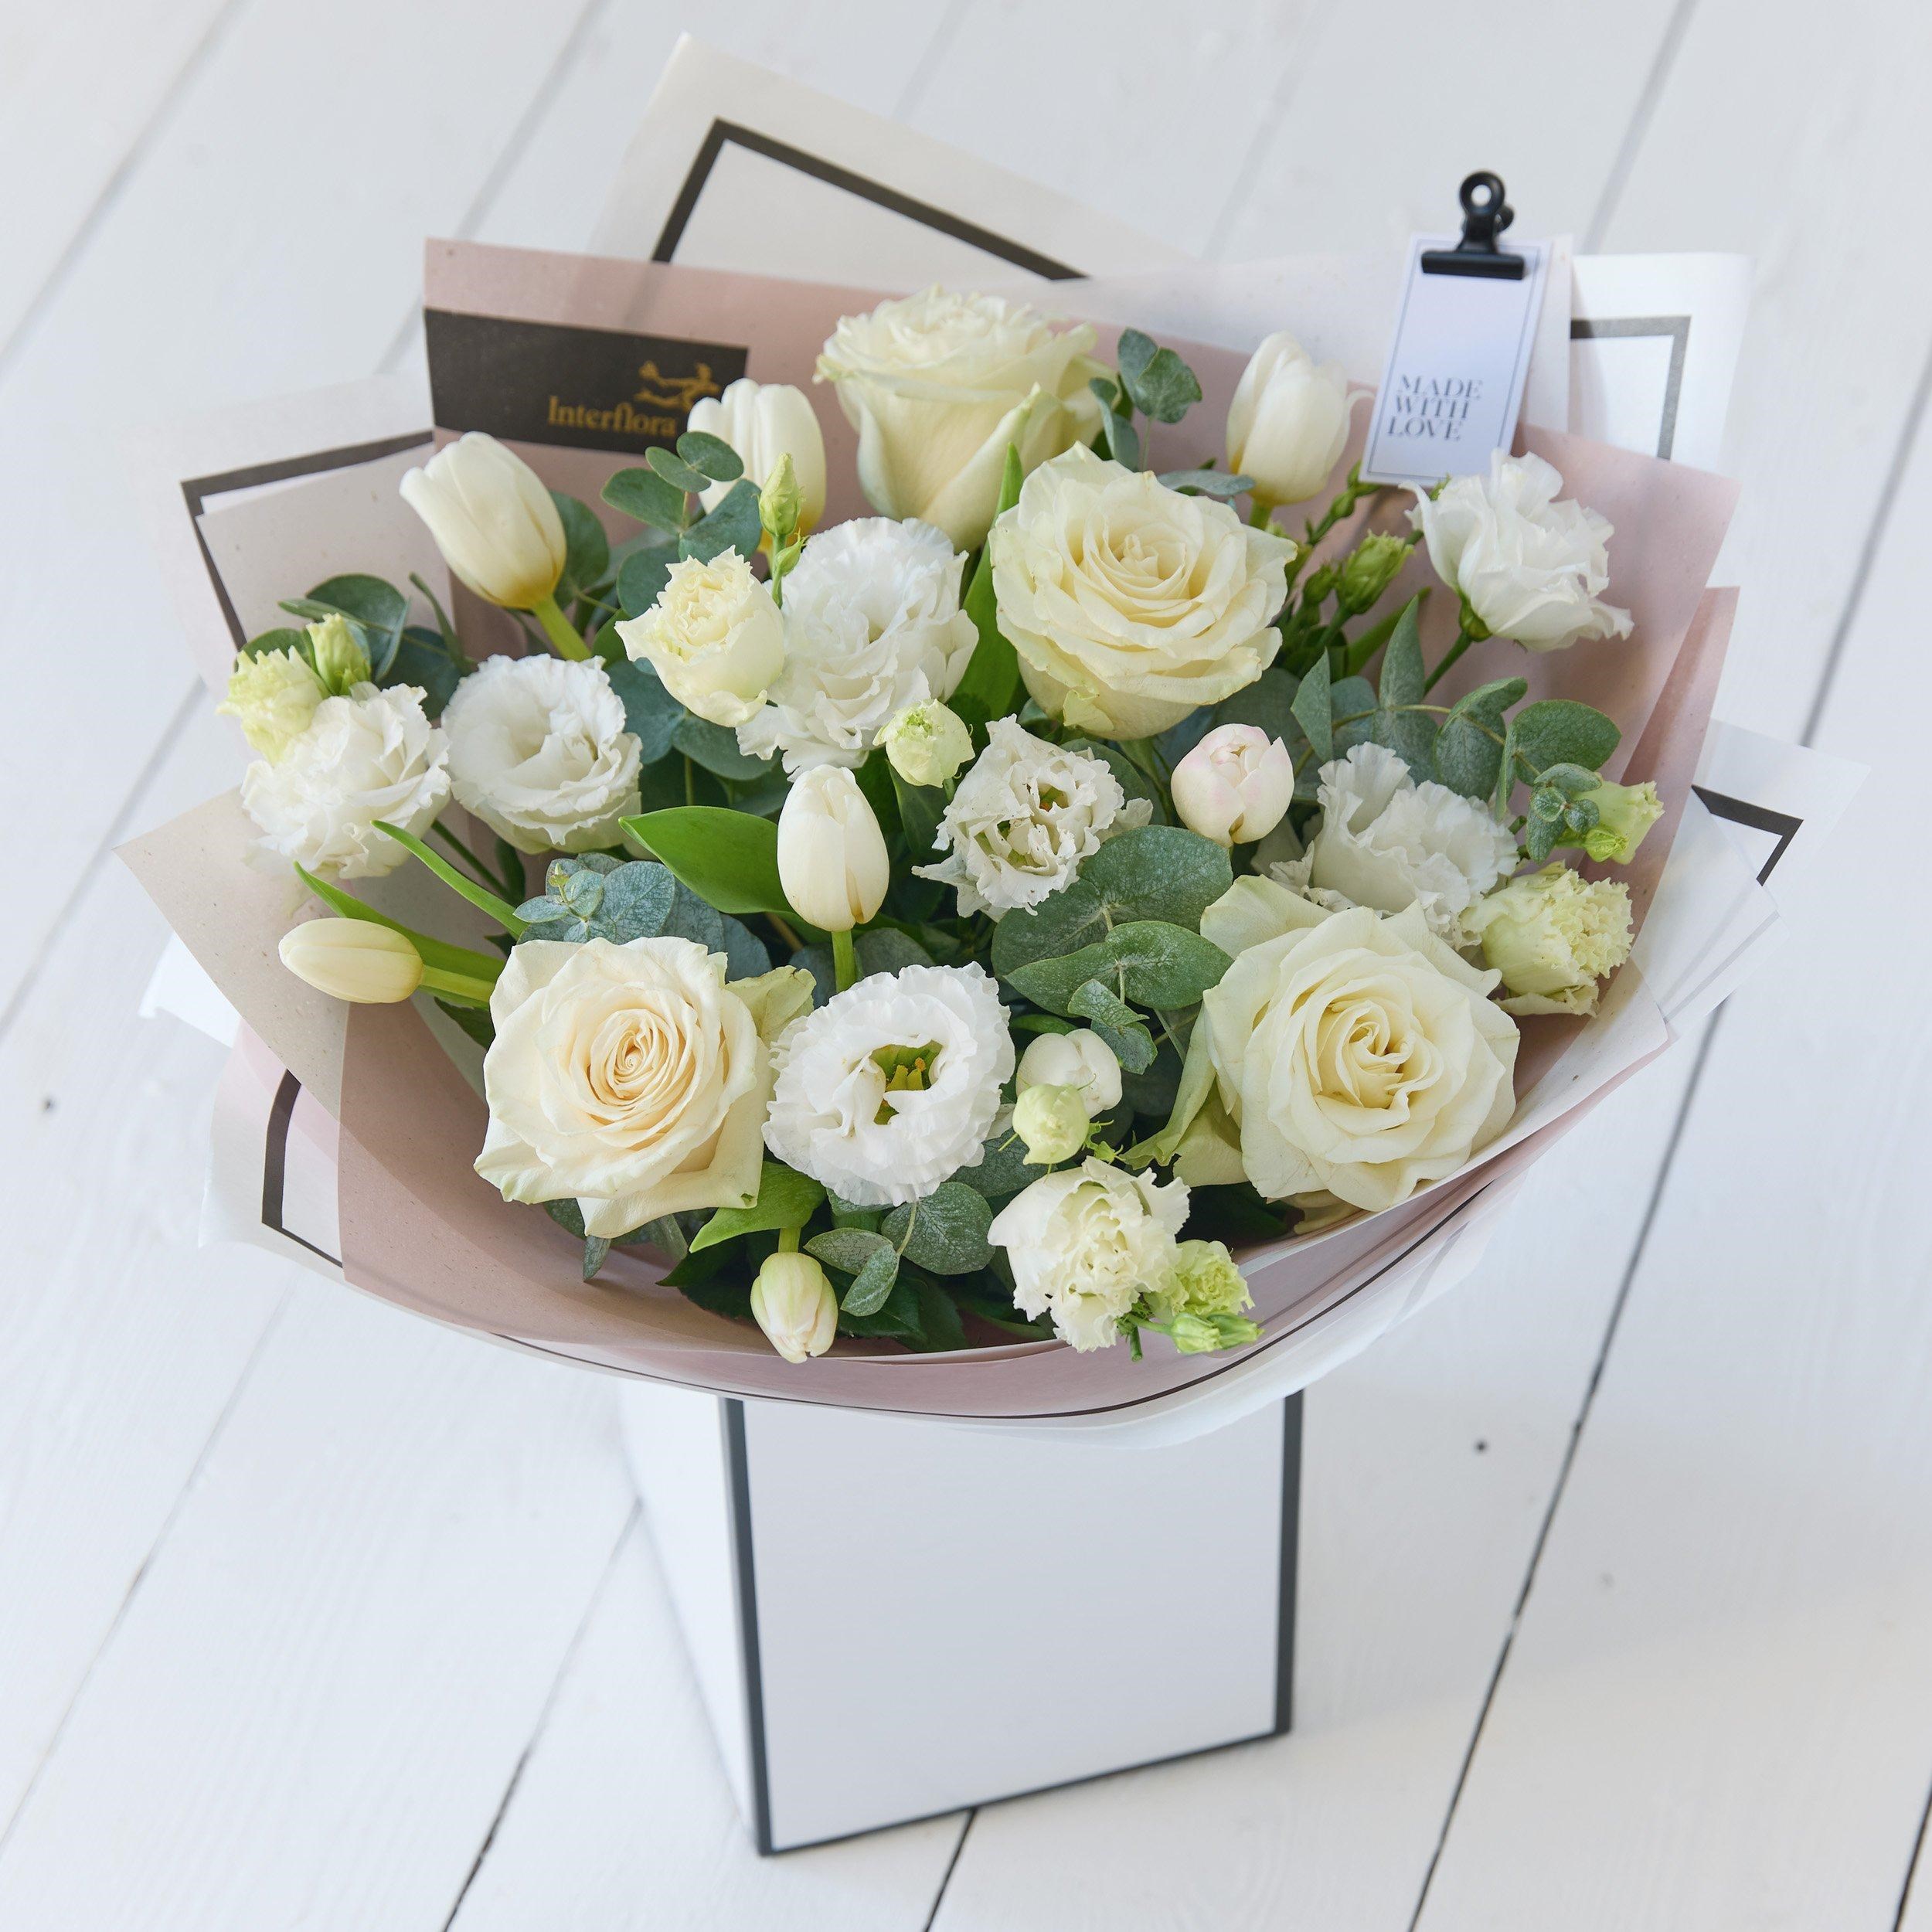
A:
{"x": 1624, "y": 816}
{"x": 940, "y": 385}
{"x": 832, "y": 861}
{"x": 765, "y": 423}
{"x": 872, "y": 625}
{"x": 1080, "y": 1058}
{"x": 1387, "y": 842}
{"x": 1052, "y": 1123}
{"x": 631, "y": 1078}
{"x": 492, "y": 519}
{"x": 927, "y": 744}
{"x": 1235, "y": 786}
{"x": 1024, "y": 817}
{"x": 1527, "y": 566}
{"x": 273, "y": 696}
{"x": 1350, "y": 1054}
{"x": 891, "y": 1086}
{"x": 1552, "y": 936}
{"x": 1086, "y": 1244}
{"x": 714, "y": 637}
{"x": 1288, "y": 423}
{"x": 1129, "y": 604}
{"x": 370, "y": 755}
{"x": 539, "y": 752}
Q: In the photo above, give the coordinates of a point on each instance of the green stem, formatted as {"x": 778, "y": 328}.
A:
{"x": 1259, "y": 514}
{"x": 558, "y": 629}
{"x": 788, "y": 1240}
{"x": 1464, "y": 638}
{"x": 503, "y": 914}
{"x": 484, "y": 875}
{"x": 464, "y": 988}
{"x": 845, "y": 960}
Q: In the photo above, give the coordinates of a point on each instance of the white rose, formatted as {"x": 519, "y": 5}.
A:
{"x": 765, "y": 423}
{"x": 631, "y": 1078}
{"x": 1552, "y": 937}
{"x": 1235, "y": 786}
{"x": 1024, "y": 817}
{"x": 940, "y": 385}
{"x": 371, "y": 755}
{"x": 492, "y": 519}
{"x": 832, "y": 861}
{"x": 1388, "y": 842}
{"x": 1080, "y": 1058}
{"x": 1086, "y": 1244}
{"x": 539, "y": 752}
{"x": 714, "y": 637}
{"x": 891, "y": 1086}
{"x": 871, "y": 624}
{"x": 1288, "y": 423}
{"x": 1528, "y": 567}
{"x": 1352, "y": 1055}
{"x": 1129, "y": 604}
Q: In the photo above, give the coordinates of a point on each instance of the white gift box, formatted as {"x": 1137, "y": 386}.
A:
{"x": 889, "y": 1620}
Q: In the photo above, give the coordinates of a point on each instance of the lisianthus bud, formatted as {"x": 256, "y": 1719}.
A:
{"x": 779, "y": 503}
{"x": 340, "y": 662}
{"x": 273, "y": 694}
{"x": 927, "y": 744}
{"x": 831, "y": 855}
{"x": 1235, "y": 786}
{"x": 769, "y": 425}
{"x": 1206, "y": 1281}
{"x": 1552, "y": 936}
{"x": 1081, "y": 1059}
{"x": 353, "y": 959}
{"x": 793, "y": 1302}
{"x": 492, "y": 519}
{"x": 1053, "y": 1122}
{"x": 1625, "y": 814}
{"x": 1288, "y": 423}
{"x": 714, "y": 637}
{"x": 1368, "y": 569}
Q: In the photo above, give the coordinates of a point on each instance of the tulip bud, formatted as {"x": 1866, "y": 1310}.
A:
{"x": 1625, "y": 815}
{"x": 1288, "y": 423}
{"x": 273, "y": 694}
{"x": 765, "y": 423}
{"x": 1369, "y": 569}
{"x": 831, "y": 855}
{"x": 492, "y": 519}
{"x": 1053, "y": 1122}
{"x": 793, "y": 1302}
{"x": 1235, "y": 786}
{"x": 340, "y": 662}
{"x": 927, "y": 744}
{"x": 353, "y": 959}
{"x": 1081, "y": 1059}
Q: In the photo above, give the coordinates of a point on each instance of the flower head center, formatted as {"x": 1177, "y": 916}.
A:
{"x": 907, "y": 1069}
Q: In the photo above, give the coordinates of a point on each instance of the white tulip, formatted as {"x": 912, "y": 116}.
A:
{"x": 353, "y": 959}
{"x": 793, "y": 1302}
{"x": 1288, "y": 423}
{"x": 1235, "y": 786}
{"x": 1082, "y": 1060}
{"x": 765, "y": 422}
{"x": 714, "y": 637}
{"x": 831, "y": 855}
{"x": 492, "y": 519}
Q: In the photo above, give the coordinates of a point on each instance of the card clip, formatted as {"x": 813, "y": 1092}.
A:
{"x": 1484, "y": 216}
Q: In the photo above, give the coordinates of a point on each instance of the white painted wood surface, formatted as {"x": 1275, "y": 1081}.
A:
{"x": 1617, "y": 1566}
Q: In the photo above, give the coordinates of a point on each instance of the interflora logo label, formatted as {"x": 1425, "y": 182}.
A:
{"x": 595, "y": 389}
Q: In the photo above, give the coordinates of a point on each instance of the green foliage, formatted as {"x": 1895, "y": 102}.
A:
{"x": 586, "y": 550}
{"x": 787, "y": 1199}
{"x": 1154, "y": 963}
{"x": 641, "y": 577}
{"x": 734, "y": 524}
{"x": 1207, "y": 482}
{"x": 651, "y": 714}
{"x": 874, "y": 1282}
{"x": 1121, "y": 440}
{"x": 423, "y": 659}
{"x": 729, "y": 859}
{"x": 1468, "y": 749}
{"x": 377, "y": 609}
{"x": 643, "y": 494}
{"x": 883, "y": 950}
{"x": 1116, "y": 1022}
{"x": 1161, "y": 385}
{"x": 992, "y": 675}
{"x": 680, "y": 475}
{"x": 945, "y": 1231}
{"x": 596, "y": 896}
{"x": 1003, "y": 1168}
{"x": 1152, "y": 1094}
{"x": 1133, "y": 780}
{"x": 711, "y": 456}
{"x": 285, "y": 638}
{"x": 1409, "y": 732}
{"x": 1313, "y": 709}
{"x": 437, "y": 953}
{"x": 715, "y": 747}
{"x": 920, "y": 809}
{"x": 1560, "y": 731}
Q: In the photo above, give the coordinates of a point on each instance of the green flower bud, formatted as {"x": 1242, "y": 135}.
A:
{"x": 780, "y": 500}
{"x": 1204, "y": 1283}
{"x": 340, "y": 662}
{"x": 1368, "y": 569}
{"x": 273, "y": 694}
{"x": 1552, "y": 936}
{"x": 927, "y": 744}
{"x": 1053, "y": 1122}
{"x": 1625, "y": 814}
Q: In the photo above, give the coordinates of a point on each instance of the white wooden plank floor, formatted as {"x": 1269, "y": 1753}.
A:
{"x": 1617, "y": 1566}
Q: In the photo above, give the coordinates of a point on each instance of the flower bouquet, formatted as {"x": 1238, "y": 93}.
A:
{"x": 1133, "y": 890}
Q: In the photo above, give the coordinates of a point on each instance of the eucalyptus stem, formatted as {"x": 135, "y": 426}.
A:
{"x": 559, "y": 629}
{"x": 1464, "y": 637}
{"x": 845, "y": 960}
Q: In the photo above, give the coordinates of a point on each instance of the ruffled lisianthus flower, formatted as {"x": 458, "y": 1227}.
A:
{"x": 871, "y": 624}
{"x": 1129, "y": 604}
{"x": 1349, "y": 1054}
{"x": 1552, "y": 936}
{"x": 372, "y": 754}
{"x": 891, "y": 1086}
{"x": 631, "y": 1079}
{"x": 940, "y": 386}
{"x": 1024, "y": 817}
{"x": 1528, "y": 567}
{"x": 539, "y": 752}
{"x": 273, "y": 695}
{"x": 1085, "y": 1244}
{"x": 1386, "y": 841}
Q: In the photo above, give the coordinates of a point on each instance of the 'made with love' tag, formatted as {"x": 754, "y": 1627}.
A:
{"x": 588, "y": 388}
{"x": 1453, "y": 381}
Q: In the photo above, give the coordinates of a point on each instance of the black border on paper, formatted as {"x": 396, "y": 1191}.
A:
{"x": 1583, "y": 329}
{"x": 1741, "y": 811}
{"x": 275, "y": 1166}
{"x": 722, "y": 134}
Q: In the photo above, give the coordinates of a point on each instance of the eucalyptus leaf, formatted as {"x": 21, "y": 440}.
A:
{"x": 375, "y": 605}
{"x": 641, "y": 577}
{"x": 1163, "y": 387}
{"x": 1469, "y": 750}
{"x": 873, "y": 1283}
{"x": 1131, "y": 779}
{"x": 1153, "y": 963}
{"x": 1003, "y": 1167}
{"x": 677, "y": 472}
{"x": 1116, "y": 1022}
{"x": 848, "y": 1249}
{"x": 1123, "y": 442}
{"x": 1152, "y": 1094}
{"x": 284, "y": 638}
{"x": 651, "y": 714}
{"x": 420, "y": 660}
{"x": 883, "y": 950}
{"x": 1555, "y": 731}
{"x": 596, "y": 1250}
{"x": 715, "y": 747}
{"x": 711, "y": 456}
{"x": 643, "y": 494}
{"x": 1207, "y": 482}
{"x": 940, "y": 1327}
{"x": 586, "y": 550}
{"x": 786, "y": 1199}
{"x": 1351, "y": 704}
{"x": 946, "y": 1231}
{"x": 1314, "y": 709}
{"x": 1403, "y": 678}
{"x": 734, "y": 524}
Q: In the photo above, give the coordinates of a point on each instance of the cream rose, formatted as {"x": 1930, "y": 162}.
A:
{"x": 631, "y": 1078}
{"x": 939, "y": 386}
{"x": 1129, "y": 604}
{"x": 1353, "y": 1055}
{"x": 714, "y": 637}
